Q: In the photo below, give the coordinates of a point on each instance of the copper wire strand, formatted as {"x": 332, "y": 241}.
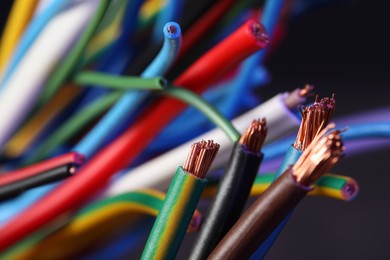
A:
{"x": 319, "y": 157}
{"x": 200, "y": 158}
{"x": 254, "y": 136}
{"x": 314, "y": 119}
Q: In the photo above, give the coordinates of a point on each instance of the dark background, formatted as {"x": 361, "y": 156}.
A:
{"x": 340, "y": 48}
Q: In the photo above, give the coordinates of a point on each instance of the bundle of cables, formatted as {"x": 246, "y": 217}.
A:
{"x": 94, "y": 124}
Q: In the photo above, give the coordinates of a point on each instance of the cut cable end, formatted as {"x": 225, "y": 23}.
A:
{"x": 200, "y": 158}
{"x": 255, "y": 135}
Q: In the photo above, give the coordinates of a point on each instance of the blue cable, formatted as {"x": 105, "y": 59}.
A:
{"x": 132, "y": 99}
{"x": 11, "y": 208}
{"x": 123, "y": 245}
{"x": 32, "y": 31}
{"x": 119, "y": 53}
{"x": 170, "y": 12}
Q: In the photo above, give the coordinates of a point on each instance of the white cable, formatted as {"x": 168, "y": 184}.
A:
{"x": 158, "y": 173}
{"x": 24, "y": 85}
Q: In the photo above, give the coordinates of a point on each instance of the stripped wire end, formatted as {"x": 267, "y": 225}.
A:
{"x": 315, "y": 118}
{"x": 319, "y": 157}
{"x": 298, "y": 96}
{"x": 254, "y": 136}
{"x": 200, "y": 158}
{"x": 259, "y": 32}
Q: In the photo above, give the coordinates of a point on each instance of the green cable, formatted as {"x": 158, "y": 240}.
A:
{"x": 186, "y": 96}
{"x": 140, "y": 197}
{"x": 206, "y": 108}
{"x": 144, "y": 198}
{"x": 73, "y": 125}
{"x": 175, "y": 215}
{"x": 120, "y": 83}
{"x": 68, "y": 66}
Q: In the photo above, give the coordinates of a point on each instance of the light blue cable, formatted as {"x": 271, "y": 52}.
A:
{"x": 32, "y": 31}
{"x": 170, "y": 12}
{"x": 11, "y": 208}
{"x": 132, "y": 99}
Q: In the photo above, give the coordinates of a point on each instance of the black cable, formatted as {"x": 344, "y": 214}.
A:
{"x": 15, "y": 188}
{"x": 230, "y": 200}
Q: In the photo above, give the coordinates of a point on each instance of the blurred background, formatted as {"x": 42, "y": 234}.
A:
{"x": 340, "y": 47}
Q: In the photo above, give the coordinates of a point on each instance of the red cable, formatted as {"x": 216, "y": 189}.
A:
{"x": 118, "y": 154}
{"x": 40, "y": 167}
{"x": 202, "y": 25}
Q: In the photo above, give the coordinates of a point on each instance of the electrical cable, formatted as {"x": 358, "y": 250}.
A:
{"x": 280, "y": 198}
{"x": 94, "y": 109}
{"x": 202, "y": 25}
{"x": 25, "y": 137}
{"x": 330, "y": 185}
{"x": 280, "y": 120}
{"x": 119, "y": 83}
{"x": 180, "y": 202}
{"x": 13, "y": 189}
{"x": 18, "y": 19}
{"x": 93, "y": 217}
{"x": 190, "y": 98}
{"x": 233, "y": 190}
{"x": 28, "y": 38}
{"x": 67, "y": 67}
{"x": 73, "y": 125}
{"x": 314, "y": 119}
{"x": 169, "y": 12}
{"x": 32, "y": 170}
{"x": 53, "y": 42}
{"x": 125, "y": 147}
{"x": 127, "y": 104}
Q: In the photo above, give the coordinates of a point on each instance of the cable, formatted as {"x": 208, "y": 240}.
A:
{"x": 13, "y": 189}
{"x": 94, "y": 109}
{"x": 202, "y": 25}
{"x": 67, "y": 66}
{"x": 283, "y": 195}
{"x": 73, "y": 125}
{"x": 32, "y": 170}
{"x": 330, "y": 186}
{"x": 24, "y": 138}
{"x": 314, "y": 119}
{"x": 93, "y": 217}
{"x": 29, "y": 36}
{"x": 280, "y": 120}
{"x": 169, "y": 12}
{"x": 52, "y": 43}
{"x": 233, "y": 190}
{"x": 19, "y": 17}
{"x": 127, "y": 104}
{"x": 119, "y": 83}
{"x": 192, "y": 99}
{"x": 124, "y": 148}
{"x": 179, "y": 204}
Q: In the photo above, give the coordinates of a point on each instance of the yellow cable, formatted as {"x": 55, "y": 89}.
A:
{"x": 27, "y": 134}
{"x": 85, "y": 230}
{"x": 19, "y": 17}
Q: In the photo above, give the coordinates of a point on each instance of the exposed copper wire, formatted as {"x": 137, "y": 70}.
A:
{"x": 319, "y": 157}
{"x": 314, "y": 119}
{"x": 306, "y": 91}
{"x": 200, "y": 158}
{"x": 254, "y": 136}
